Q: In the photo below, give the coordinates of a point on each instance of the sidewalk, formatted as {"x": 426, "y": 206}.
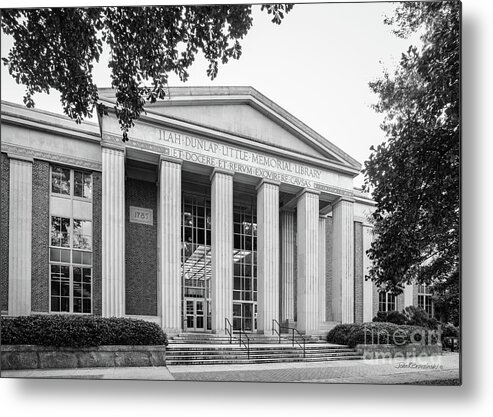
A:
{"x": 375, "y": 371}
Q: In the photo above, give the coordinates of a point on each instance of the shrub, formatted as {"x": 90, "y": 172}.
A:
{"x": 390, "y": 317}
{"x": 379, "y": 333}
{"x": 79, "y": 331}
{"x": 416, "y": 316}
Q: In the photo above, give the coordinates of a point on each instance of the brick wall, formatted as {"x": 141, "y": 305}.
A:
{"x": 4, "y": 231}
{"x": 328, "y": 270}
{"x": 140, "y": 251}
{"x": 40, "y": 237}
{"x": 96, "y": 243}
{"x": 358, "y": 272}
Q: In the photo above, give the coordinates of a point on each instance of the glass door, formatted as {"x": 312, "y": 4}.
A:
{"x": 195, "y": 314}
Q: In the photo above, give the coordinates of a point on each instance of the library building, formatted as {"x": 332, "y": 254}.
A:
{"x": 221, "y": 209}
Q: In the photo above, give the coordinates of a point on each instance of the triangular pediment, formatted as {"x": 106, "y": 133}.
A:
{"x": 244, "y": 112}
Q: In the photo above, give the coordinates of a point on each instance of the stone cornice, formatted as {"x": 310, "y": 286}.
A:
{"x": 50, "y": 157}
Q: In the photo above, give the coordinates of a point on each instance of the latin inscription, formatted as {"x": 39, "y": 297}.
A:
{"x": 217, "y": 155}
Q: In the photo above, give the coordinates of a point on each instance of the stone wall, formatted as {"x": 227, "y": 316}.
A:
{"x": 42, "y": 357}
{"x": 97, "y": 200}
{"x": 411, "y": 350}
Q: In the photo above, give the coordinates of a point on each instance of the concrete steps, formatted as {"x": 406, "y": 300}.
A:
{"x": 209, "y": 349}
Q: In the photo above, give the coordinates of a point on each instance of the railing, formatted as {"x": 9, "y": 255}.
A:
{"x": 247, "y": 343}
{"x": 293, "y": 338}
{"x": 229, "y": 330}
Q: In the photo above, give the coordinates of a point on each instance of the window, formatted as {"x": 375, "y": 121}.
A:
{"x": 425, "y": 299}
{"x": 70, "y": 182}
{"x": 386, "y": 301}
{"x": 70, "y": 245}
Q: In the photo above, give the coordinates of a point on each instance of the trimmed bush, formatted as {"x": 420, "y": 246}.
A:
{"x": 390, "y": 317}
{"x": 416, "y": 316}
{"x": 380, "y": 333}
{"x": 79, "y": 331}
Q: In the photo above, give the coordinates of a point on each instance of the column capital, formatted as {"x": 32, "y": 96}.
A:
{"x": 220, "y": 171}
{"x": 266, "y": 181}
{"x": 112, "y": 146}
{"x": 164, "y": 158}
{"x": 20, "y": 157}
{"x": 340, "y": 199}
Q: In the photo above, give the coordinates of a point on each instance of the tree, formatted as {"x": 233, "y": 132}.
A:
{"x": 57, "y": 48}
{"x": 414, "y": 176}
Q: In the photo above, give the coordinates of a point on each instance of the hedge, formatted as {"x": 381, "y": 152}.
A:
{"x": 79, "y": 331}
{"x": 383, "y": 333}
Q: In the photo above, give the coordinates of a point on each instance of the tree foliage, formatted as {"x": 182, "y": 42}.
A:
{"x": 414, "y": 176}
{"x": 56, "y": 48}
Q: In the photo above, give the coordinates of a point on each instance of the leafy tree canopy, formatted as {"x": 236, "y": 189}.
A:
{"x": 414, "y": 176}
{"x": 57, "y": 49}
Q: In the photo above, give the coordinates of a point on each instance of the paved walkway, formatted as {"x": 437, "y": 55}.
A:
{"x": 377, "y": 371}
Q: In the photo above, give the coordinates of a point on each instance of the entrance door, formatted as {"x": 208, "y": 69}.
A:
{"x": 194, "y": 310}
{"x": 243, "y": 317}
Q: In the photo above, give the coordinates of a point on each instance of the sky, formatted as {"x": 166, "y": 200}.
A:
{"x": 316, "y": 65}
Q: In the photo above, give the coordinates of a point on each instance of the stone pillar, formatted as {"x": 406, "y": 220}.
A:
{"x": 222, "y": 249}
{"x": 343, "y": 260}
{"x": 367, "y": 284}
{"x": 113, "y": 233}
{"x": 322, "y": 221}
{"x": 267, "y": 255}
{"x": 287, "y": 265}
{"x": 20, "y": 235}
{"x": 308, "y": 316}
{"x": 169, "y": 244}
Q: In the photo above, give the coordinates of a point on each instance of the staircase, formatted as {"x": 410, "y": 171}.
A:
{"x": 210, "y": 349}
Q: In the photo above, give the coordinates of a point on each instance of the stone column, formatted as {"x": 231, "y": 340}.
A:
{"x": 408, "y": 295}
{"x": 367, "y": 284}
{"x": 222, "y": 249}
{"x": 343, "y": 260}
{"x": 308, "y": 316}
{"x": 169, "y": 244}
{"x": 287, "y": 265}
{"x": 20, "y": 235}
{"x": 113, "y": 232}
{"x": 268, "y": 254}
{"x": 322, "y": 221}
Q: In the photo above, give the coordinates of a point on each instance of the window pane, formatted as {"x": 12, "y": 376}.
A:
{"x": 55, "y": 255}
{"x": 86, "y": 258}
{"x": 77, "y": 274}
{"x": 82, "y": 234}
{"x": 60, "y": 180}
{"x": 86, "y": 275}
{"x": 55, "y": 288}
{"x": 76, "y": 257}
{"x": 55, "y": 231}
{"x": 77, "y": 289}
{"x": 55, "y": 304}
{"x": 87, "y": 185}
{"x": 78, "y": 184}
{"x": 65, "y": 256}
{"x": 86, "y": 305}
{"x": 77, "y": 305}
{"x": 65, "y": 304}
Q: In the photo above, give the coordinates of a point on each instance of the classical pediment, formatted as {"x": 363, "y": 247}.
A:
{"x": 244, "y": 112}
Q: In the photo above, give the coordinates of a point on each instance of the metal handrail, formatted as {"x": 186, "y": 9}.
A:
{"x": 229, "y": 329}
{"x": 247, "y": 344}
{"x": 303, "y": 347}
